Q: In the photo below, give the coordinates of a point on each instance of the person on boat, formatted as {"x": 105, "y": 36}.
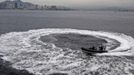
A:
{"x": 92, "y": 48}
{"x": 101, "y": 48}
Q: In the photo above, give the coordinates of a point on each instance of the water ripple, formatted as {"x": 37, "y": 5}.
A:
{"x": 25, "y": 51}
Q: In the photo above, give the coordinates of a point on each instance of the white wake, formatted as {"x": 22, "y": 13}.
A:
{"x": 26, "y": 51}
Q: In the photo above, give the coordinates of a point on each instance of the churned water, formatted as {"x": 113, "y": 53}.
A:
{"x": 23, "y": 46}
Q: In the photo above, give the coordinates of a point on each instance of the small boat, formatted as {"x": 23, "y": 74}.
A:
{"x": 94, "y": 50}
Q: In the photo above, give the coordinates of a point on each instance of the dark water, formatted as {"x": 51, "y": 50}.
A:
{"x": 73, "y": 41}
{"x": 18, "y": 20}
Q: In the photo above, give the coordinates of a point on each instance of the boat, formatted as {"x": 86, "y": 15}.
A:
{"x": 94, "y": 50}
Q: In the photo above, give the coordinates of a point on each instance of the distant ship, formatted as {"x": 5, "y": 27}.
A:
{"x": 94, "y": 50}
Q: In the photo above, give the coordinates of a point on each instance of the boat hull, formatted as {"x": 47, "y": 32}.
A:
{"x": 91, "y": 51}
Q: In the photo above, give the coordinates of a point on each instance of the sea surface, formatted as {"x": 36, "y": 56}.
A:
{"x": 49, "y": 42}
{"x": 22, "y": 20}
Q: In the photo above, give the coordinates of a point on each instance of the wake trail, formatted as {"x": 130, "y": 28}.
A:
{"x": 26, "y": 51}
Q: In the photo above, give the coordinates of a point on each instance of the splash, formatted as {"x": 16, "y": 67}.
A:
{"x": 26, "y": 51}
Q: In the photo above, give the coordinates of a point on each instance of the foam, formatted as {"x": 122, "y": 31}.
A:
{"x": 26, "y": 51}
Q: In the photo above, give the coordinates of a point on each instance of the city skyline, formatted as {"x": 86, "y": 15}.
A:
{"x": 85, "y": 3}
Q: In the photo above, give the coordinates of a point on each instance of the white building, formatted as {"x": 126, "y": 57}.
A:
{"x": 17, "y": 4}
